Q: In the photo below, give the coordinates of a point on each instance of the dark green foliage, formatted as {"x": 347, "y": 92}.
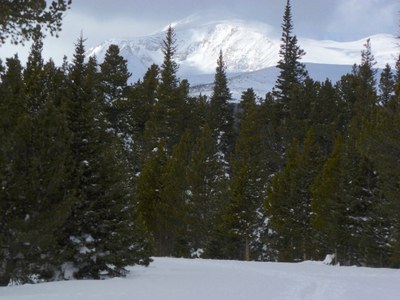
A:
{"x": 174, "y": 196}
{"x": 66, "y": 194}
{"x": 100, "y": 236}
{"x": 114, "y": 77}
{"x": 289, "y": 198}
{"x": 151, "y": 210}
{"x": 220, "y": 117}
{"x": 24, "y": 20}
{"x": 345, "y": 201}
{"x": 245, "y": 216}
{"x": 292, "y": 71}
{"x": 34, "y": 165}
{"x": 96, "y": 174}
{"x": 324, "y": 116}
{"x": 206, "y": 192}
{"x": 365, "y": 90}
{"x": 386, "y": 85}
{"x": 382, "y": 147}
{"x": 141, "y": 101}
{"x": 167, "y": 119}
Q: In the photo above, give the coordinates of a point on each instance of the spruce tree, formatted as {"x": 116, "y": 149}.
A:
{"x": 12, "y": 109}
{"x": 324, "y": 116}
{"x": 114, "y": 74}
{"x": 386, "y": 86}
{"x": 291, "y": 70}
{"x": 245, "y": 217}
{"x": 174, "y": 196}
{"x": 101, "y": 224}
{"x": 141, "y": 101}
{"x": 150, "y": 209}
{"x": 167, "y": 119}
{"x": 289, "y": 197}
{"x": 381, "y": 146}
{"x": 221, "y": 113}
{"x": 33, "y": 80}
{"x": 345, "y": 199}
{"x": 365, "y": 90}
{"x": 28, "y": 20}
{"x": 114, "y": 83}
{"x": 206, "y": 193}
{"x": 37, "y": 173}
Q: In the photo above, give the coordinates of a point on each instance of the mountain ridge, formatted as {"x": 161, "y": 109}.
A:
{"x": 248, "y": 47}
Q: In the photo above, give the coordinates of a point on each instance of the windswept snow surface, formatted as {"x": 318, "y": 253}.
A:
{"x": 181, "y": 279}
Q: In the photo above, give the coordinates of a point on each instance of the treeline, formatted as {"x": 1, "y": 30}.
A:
{"x": 96, "y": 174}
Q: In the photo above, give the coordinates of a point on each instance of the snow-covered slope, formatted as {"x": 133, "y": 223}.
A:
{"x": 262, "y": 81}
{"x": 248, "y": 47}
{"x": 179, "y": 279}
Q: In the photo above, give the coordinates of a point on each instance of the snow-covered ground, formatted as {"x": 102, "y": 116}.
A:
{"x": 180, "y": 279}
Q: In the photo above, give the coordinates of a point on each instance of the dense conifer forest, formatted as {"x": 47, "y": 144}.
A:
{"x": 97, "y": 174}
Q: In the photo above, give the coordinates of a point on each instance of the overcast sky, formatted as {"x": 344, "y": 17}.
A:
{"x": 341, "y": 20}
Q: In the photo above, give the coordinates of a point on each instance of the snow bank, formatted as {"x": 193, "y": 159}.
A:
{"x": 180, "y": 279}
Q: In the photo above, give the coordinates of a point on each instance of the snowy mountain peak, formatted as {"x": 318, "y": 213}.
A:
{"x": 249, "y": 48}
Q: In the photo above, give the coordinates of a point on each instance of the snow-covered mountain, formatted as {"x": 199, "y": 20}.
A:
{"x": 250, "y": 52}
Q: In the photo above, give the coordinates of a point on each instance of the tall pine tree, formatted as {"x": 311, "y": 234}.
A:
{"x": 101, "y": 236}
{"x": 291, "y": 70}
{"x": 245, "y": 217}
{"x": 221, "y": 112}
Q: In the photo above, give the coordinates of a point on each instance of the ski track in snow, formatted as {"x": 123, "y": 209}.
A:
{"x": 182, "y": 279}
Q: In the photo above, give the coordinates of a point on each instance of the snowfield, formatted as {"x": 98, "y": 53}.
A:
{"x": 183, "y": 279}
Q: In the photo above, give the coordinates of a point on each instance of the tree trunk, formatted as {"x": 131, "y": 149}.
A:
{"x": 5, "y": 267}
{"x": 247, "y": 250}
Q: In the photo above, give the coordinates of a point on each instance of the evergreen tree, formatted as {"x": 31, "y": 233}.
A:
{"x": 174, "y": 196}
{"x": 382, "y": 147}
{"x": 365, "y": 90}
{"x": 346, "y": 89}
{"x": 221, "y": 113}
{"x": 299, "y": 120}
{"x": 366, "y": 69}
{"x": 34, "y": 188}
{"x": 386, "y": 85}
{"x": 23, "y": 21}
{"x": 114, "y": 78}
{"x": 101, "y": 236}
{"x": 33, "y": 77}
{"x": 324, "y": 116}
{"x": 150, "y": 209}
{"x": 205, "y": 196}
{"x": 12, "y": 108}
{"x": 167, "y": 119}
{"x": 141, "y": 99}
{"x": 114, "y": 71}
{"x": 288, "y": 201}
{"x": 199, "y": 108}
{"x": 271, "y": 131}
{"x": 344, "y": 205}
{"x": 245, "y": 217}
{"x": 292, "y": 71}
